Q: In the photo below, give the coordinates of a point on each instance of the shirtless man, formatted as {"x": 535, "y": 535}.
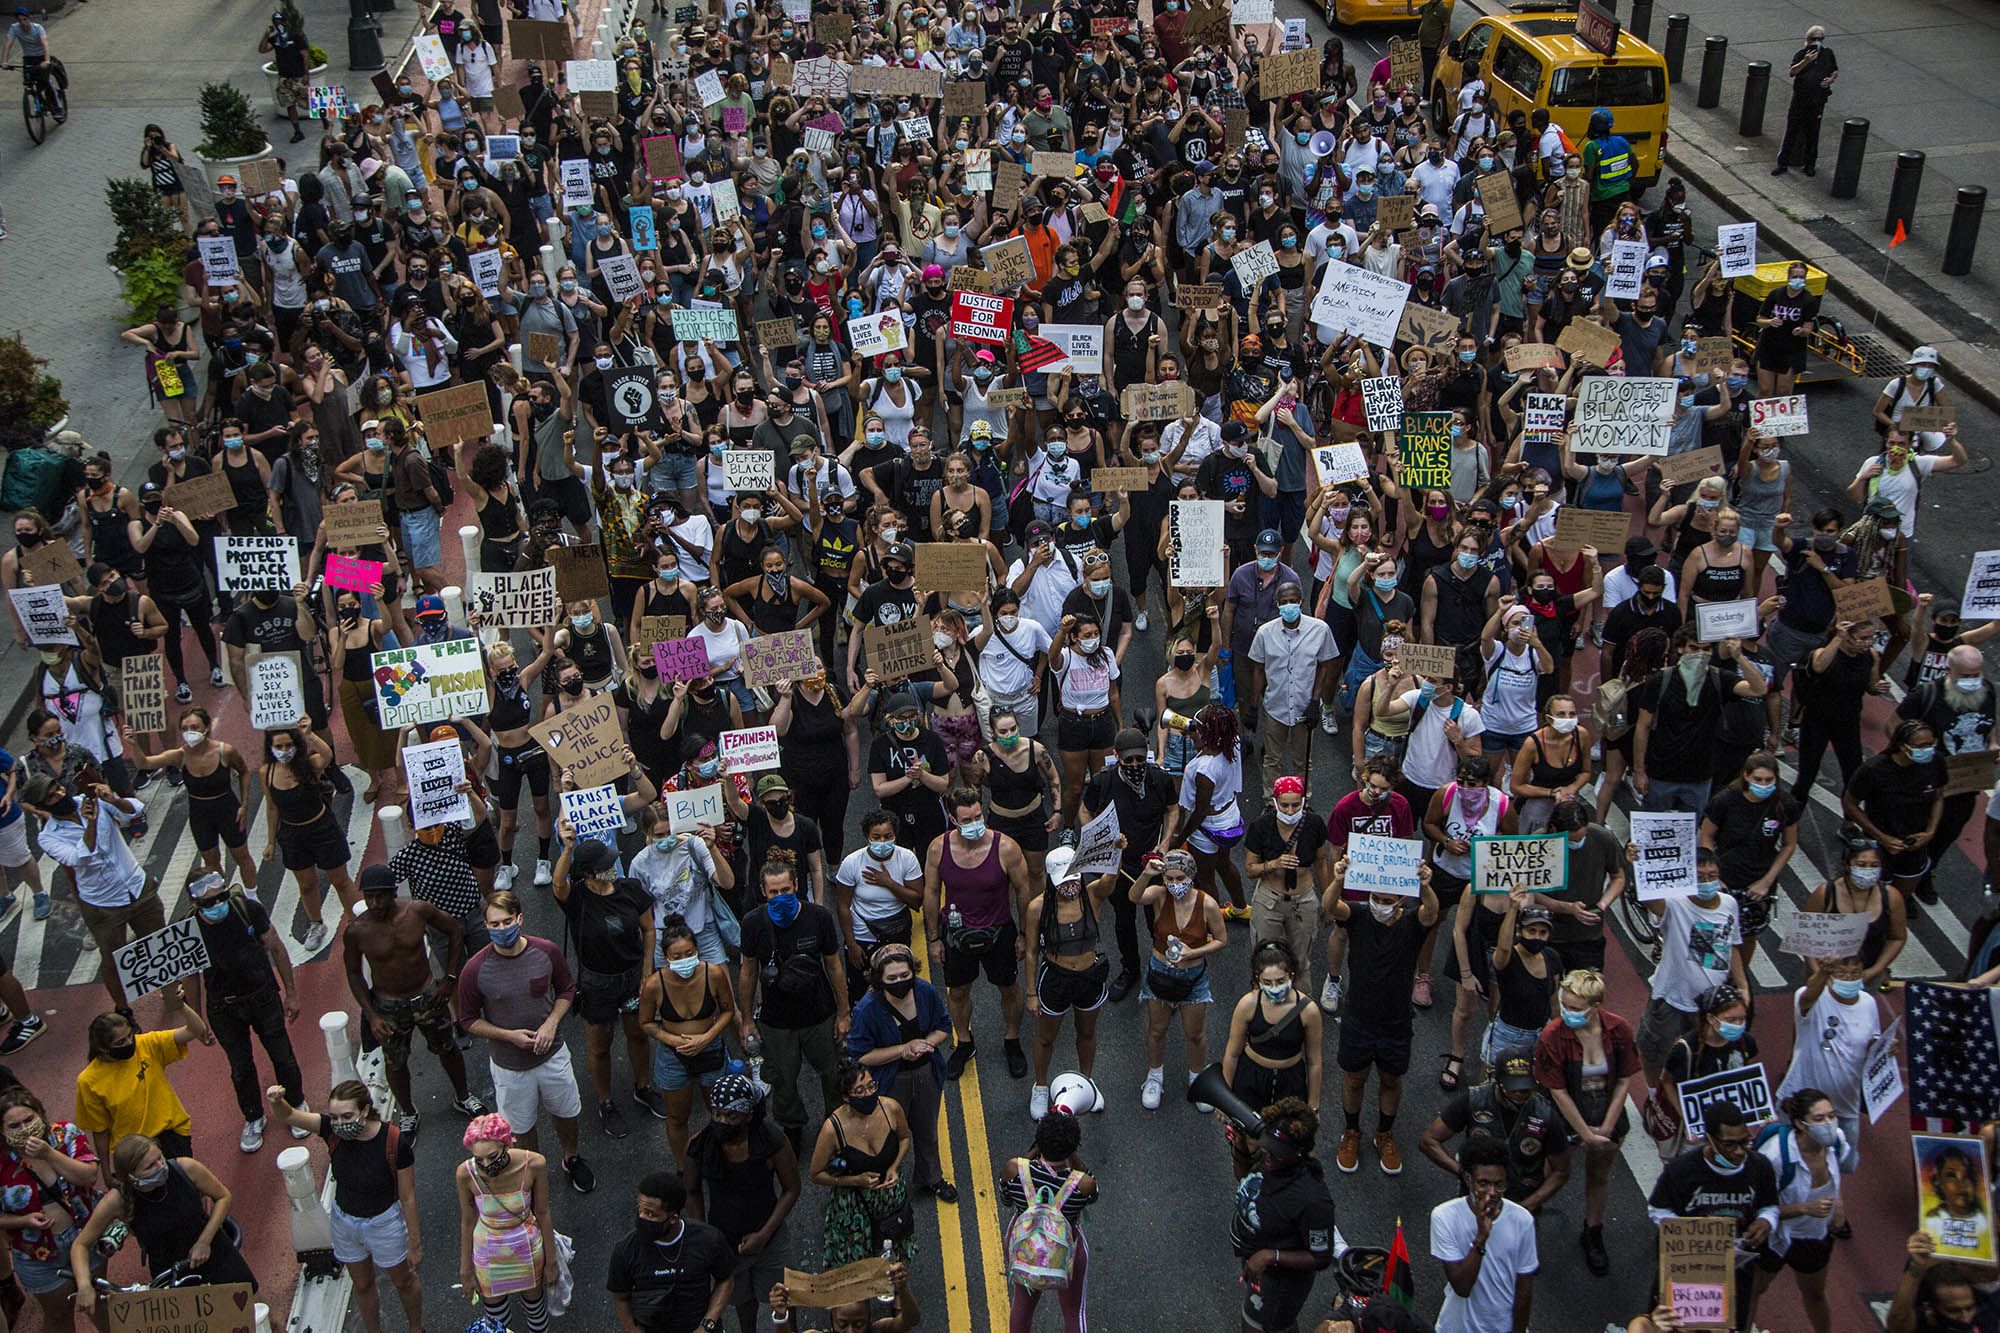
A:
{"x": 404, "y": 999}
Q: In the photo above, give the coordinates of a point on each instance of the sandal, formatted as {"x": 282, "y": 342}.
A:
{"x": 1449, "y": 1079}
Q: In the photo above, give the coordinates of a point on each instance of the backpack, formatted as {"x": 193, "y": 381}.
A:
{"x": 33, "y": 479}
{"x": 1612, "y": 710}
{"x": 1788, "y": 1165}
{"x": 1041, "y": 1242}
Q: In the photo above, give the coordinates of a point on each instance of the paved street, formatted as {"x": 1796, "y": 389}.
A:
{"x": 1160, "y": 1253}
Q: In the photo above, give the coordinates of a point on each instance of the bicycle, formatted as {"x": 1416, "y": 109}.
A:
{"x": 41, "y": 99}
{"x": 175, "y": 1275}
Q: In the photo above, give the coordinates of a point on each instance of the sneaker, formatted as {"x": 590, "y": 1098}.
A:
{"x": 1017, "y": 1059}
{"x": 315, "y": 939}
{"x": 10, "y": 905}
{"x": 1150, "y": 1090}
{"x": 1038, "y": 1101}
{"x": 653, "y": 1100}
{"x": 215, "y": 677}
{"x": 252, "y": 1137}
{"x": 1594, "y": 1256}
{"x": 1778, "y": 170}
{"x": 143, "y": 780}
{"x": 470, "y": 1105}
{"x": 581, "y": 1178}
{"x": 1140, "y": 623}
{"x": 1392, "y": 1157}
{"x": 1348, "y": 1155}
{"x": 1329, "y": 720}
{"x": 43, "y": 906}
{"x": 503, "y": 878}
{"x": 182, "y": 694}
{"x": 410, "y": 1123}
{"x": 613, "y": 1118}
{"x": 175, "y": 777}
{"x": 1203, "y": 1107}
{"x": 961, "y": 1056}
{"x": 24, "y": 1031}
{"x": 1329, "y": 996}
{"x": 1122, "y": 986}
{"x": 944, "y": 1191}
{"x": 542, "y": 875}
{"x": 1237, "y": 913}
{"x": 1420, "y": 994}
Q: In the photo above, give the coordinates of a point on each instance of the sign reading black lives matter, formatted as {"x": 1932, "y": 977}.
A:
{"x": 1539, "y": 864}
{"x": 629, "y": 396}
{"x": 161, "y": 958}
{"x": 527, "y": 600}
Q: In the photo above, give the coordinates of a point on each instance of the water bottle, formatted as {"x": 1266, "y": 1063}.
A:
{"x": 1174, "y": 950}
{"x": 953, "y": 919}
{"x": 887, "y": 1295}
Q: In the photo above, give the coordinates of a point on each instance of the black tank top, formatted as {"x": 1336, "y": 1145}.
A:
{"x": 1011, "y": 790}
{"x": 1544, "y": 772}
{"x": 1719, "y": 583}
{"x": 859, "y": 1162}
{"x": 673, "y": 603}
{"x": 774, "y": 615}
{"x": 741, "y": 558}
{"x": 1067, "y": 938}
{"x": 111, "y": 622}
{"x": 509, "y": 710}
{"x": 111, "y": 538}
{"x": 1279, "y": 1041}
{"x": 359, "y": 663}
{"x": 296, "y": 805}
{"x": 246, "y": 486}
{"x": 591, "y": 651}
{"x": 208, "y": 786}
{"x": 167, "y": 1221}
{"x": 171, "y": 572}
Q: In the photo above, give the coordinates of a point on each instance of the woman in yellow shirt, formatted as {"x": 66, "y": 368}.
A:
{"x": 123, "y": 1089}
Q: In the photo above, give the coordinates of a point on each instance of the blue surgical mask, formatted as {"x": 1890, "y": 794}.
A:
{"x": 973, "y": 831}
{"x": 1469, "y": 355}
{"x": 1574, "y": 1018}
{"x": 1385, "y": 586}
{"x": 1267, "y": 563}
{"x": 505, "y": 936}
{"x": 1303, "y": 137}
{"x": 215, "y": 911}
{"x": 686, "y": 967}
{"x": 882, "y": 851}
{"x": 666, "y": 843}
{"x": 784, "y": 909}
{"x": 708, "y": 767}
{"x": 1289, "y": 612}
{"x": 1708, "y": 890}
{"x": 1080, "y": 520}
{"x": 1426, "y": 692}
{"x": 1923, "y": 754}
{"x": 1763, "y": 790}
{"x": 1846, "y": 990}
{"x": 1099, "y": 587}
{"x": 582, "y": 623}
{"x": 1466, "y": 560}
{"x": 1737, "y": 383}
{"x": 892, "y": 374}
{"x": 1796, "y": 284}
{"x": 1731, "y": 1031}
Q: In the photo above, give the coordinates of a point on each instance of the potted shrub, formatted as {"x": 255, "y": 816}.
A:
{"x": 31, "y": 403}
{"x": 144, "y": 218}
{"x": 230, "y": 131}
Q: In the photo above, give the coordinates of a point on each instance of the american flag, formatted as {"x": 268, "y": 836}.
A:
{"x": 1954, "y": 1054}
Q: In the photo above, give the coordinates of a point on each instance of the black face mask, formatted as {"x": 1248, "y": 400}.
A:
{"x": 899, "y": 988}
{"x": 1184, "y": 661}
{"x": 28, "y": 541}
{"x": 572, "y": 687}
{"x": 778, "y": 809}
{"x": 124, "y": 1050}
{"x": 648, "y": 1230}
{"x": 864, "y": 1105}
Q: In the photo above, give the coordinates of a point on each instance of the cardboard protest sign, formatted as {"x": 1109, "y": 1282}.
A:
{"x": 200, "y": 497}
{"x": 964, "y": 97}
{"x": 51, "y": 562}
{"x": 142, "y": 688}
{"x": 1503, "y": 208}
{"x": 658, "y": 629}
{"x": 44, "y": 615}
{"x": 580, "y": 572}
{"x": 1664, "y": 867}
{"x": 1605, "y": 530}
{"x": 1396, "y": 212}
{"x": 1537, "y": 863}
{"x": 1825, "y": 934}
{"x": 833, "y": 29}
{"x": 822, "y": 75}
{"x": 1424, "y": 326}
{"x": 1680, "y": 469}
{"x": 1698, "y": 1270}
{"x": 1779, "y": 416}
{"x": 1881, "y": 1076}
{"x": 1383, "y": 396}
{"x": 1982, "y": 588}
{"x": 976, "y": 317}
{"x": 951, "y": 566}
{"x": 1337, "y": 463}
{"x": 1288, "y": 73}
{"x": 899, "y": 80}
{"x": 1436, "y": 660}
{"x": 538, "y": 39}
{"x": 1206, "y": 24}
{"x": 682, "y": 659}
{"x": 1376, "y": 864}
{"x": 1736, "y": 249}
{"x": 1009, "y": 179}
{"x": 1199, "y": 558}
{"x": 1423, "y": 451}
{"x": 544, "y": 348}
{"x": 1533, "y": 356}
{"x": 751, "y": 750}
{"x": 772, "y": 659}
{"x": 1971, "y": 772}
{"x": 779, "y": 336}
{"x": 1097, "y": 849}
{"x": 748, "y": 471}
{"x": 353, "y": 524}
{"x": 527, "y": 600}
{"x": 966, "y": 278}
{"x": 159, "y": 960}
{"x": 688, "y": 811}
{"x": 1157, "y": 402}
{"x": 257, "y": 564}
{"x": 1868, "y": 599}
{"x": 663, "y": 157}
{"x": 857, "y": 1281}
{"x": 430, "y": 682}
{"x": 1199, "y": 296}
{"x": 594, "y": 810}
{"x": 1593, "y": 342}
{"x": 1624, "y": 415}
{"x": 897, "y": 651}
{"x": 1931, "y": 419}
{"x": 435, "y": 769}
{"x": 1545, "y": 416}
{"x": 586, "y": 741}
{"x": 1716, "y": 621}
{"x": 1954, "y": 1202}
{"x": 455, "y": 415}
{"x": 1746, "y": 1088}
{"x": 1106, "y": 480}
{"x": 1406, "y": 63}
{"x": 1054, "y": 164}
{"x": 1015, "y": 397}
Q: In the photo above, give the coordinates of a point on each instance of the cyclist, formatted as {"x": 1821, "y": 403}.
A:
{"x": 38, "y": 63}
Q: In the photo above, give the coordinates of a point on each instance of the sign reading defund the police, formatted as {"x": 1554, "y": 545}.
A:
{"x": 435, "y": 769}
{"x": 431, "y": 682}
{"x": 161, "y": 958}
{"x": 1624, "y": 416}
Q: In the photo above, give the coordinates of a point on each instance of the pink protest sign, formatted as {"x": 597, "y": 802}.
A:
{"x": 830, "y": 122}
{"x": 734, "y": 121}
{"x": 681, "y": 659}
{"x": 344, "y": 571}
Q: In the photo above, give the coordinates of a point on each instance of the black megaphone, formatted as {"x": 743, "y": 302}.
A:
{"x": 1211, "y": 1087}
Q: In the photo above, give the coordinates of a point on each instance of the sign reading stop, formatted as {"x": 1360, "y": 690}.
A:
{"x": 977, "y": 317}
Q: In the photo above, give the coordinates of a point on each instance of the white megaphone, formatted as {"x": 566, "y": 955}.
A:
{"x": 1075, "y": 1094}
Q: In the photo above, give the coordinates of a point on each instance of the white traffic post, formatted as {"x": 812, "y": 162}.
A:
{"x": 468, "y": 545}
{"x": 395, "y": 830}
{"x": 339, "y": 1051}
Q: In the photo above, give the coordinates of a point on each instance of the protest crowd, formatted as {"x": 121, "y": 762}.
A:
{"x": 703, "y": 501}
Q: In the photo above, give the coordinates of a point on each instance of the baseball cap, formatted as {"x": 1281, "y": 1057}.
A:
{"x": 36, "y": 789}
{"x": 1924, "y": 356}
{"x": 1269, "y": 540}
{"x": 1530, "y": 915}
{"x": 901, "y": 701}
{"x": 224, "y": 179}
{"x": 377, "y": 879}
{"x": 1038, "y": 531}
{"x": 1130, "y": 741}
{"x": 591, "y": 857}
{"x": 1058, "y": 863}
{"x": 1204, "y": 168}
{"x": 982, "y": 428}
{"x": 430, "y": 604}
{"x": 1516, "y": 1073}
{"x": 902, "y": 551}
{"x": 1233, "y": 430}
{"x": 1884, "y": 508}
{"x": 771, "y": 782}
{"x": 1656, "y": 261}
{"x": 1640, "y": 548}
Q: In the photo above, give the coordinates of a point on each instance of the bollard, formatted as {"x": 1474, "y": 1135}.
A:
{"x": 551, "y": 261}
{"x": 468, "y": 542}
{"x": 1964, "y": 234}
{"x": 1677, "y": 46}
{"x": 514, "y": 356}
{"x": 1714, "y": 56}
{"x": 395, "y": 831}
{"x": 1756, "y": 89}
{"x": 312, "y": 1229}
{"x": 1903, "y": 192}
{"x": 454, "y": 601}
{"x": 1853, "y": 149}
{"x": 261, "y": 1314}
{"x": 339, "y": 1051}
{"x": 1642, "y": 20}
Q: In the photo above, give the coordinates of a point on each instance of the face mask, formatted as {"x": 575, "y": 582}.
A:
{"x": 1763, "y": 790}
{"x": 1288, "y": 820}
{"x": 1099, "y": 587}
{"x": 1267, "y": 563}
{"x": 1825, "y": 1133}
{"x": 972, "y": 831}
{"x": 214, "y": 912}
{"x": 1731, "y": 1031}
{"x": 350, "y": 1129}
{"x": 1290, "y": 612}
{"x": 1385, "y": 586}
{"x": 784, "y": 908}
{"x": 151, "y": 1180}
{"x": 1725, "y": 539}
{"x": 1968, "y": 684}
{"x": 1923, "y": 372}
{"x": 1708, "y": 890}
{"x": 684, "y": 967}
{"x": 1278, "y": 992}
{"x": 708, "y": 768}
{"x": 1009, "y": 623}
{"x": 283, "y": 756}
{"x": 1864, "y": 877}
{"x": 506, "y": 936}
{"x": 1796, "y": 284}
{"x": 1574, "y": 1018}
{"x": 1923, "y": 754}
{"x": 1847, "y": 990}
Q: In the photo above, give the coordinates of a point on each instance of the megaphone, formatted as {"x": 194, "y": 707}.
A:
{"x": 1074, "y": 1094}
{"x": 1211, "y": 1087}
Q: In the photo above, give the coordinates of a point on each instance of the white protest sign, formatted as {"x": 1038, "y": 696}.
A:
{"x": 1384, "y": 398}
{"x": 1628, "y": 270}
{"x": 1746, "y": 1087}
{"x": 596, "y": 810}
{"x": 486, "y": 266}
{"x": 1779, "y": 416}
{"x": 503, "y": 147}
{"x": 1200, "y": 559}
{"x": 1296, "y": 36}
{"x": 722, "y": 197}
{"x": 44, "y": 614}
{"x": 1335, "y": 463}
{"x": 878, "y": 334}
{"x": 708, "y": 84}
{"x": 218, "y": 257}
{"x": 429, "y": 682}
{"x": 748, "y": 470}
{"x": 1665, "y": 864}
{"x": 1736, "y": 248}
{"x": 1546, "y": 415}
{"x": 576, "y": 191}
{"x": 1253, "y": 11}
{"x": 258, "y": 564}
{"x": 1083, "y": 344}
{"x": 1097, "y": 849}
{"x": 430, "y": 54}
{"x": 751, "y": 750}
{"x": 1367, "y": 305}
{"x": 1624, "y": 415}
{"x": 161, "y": 958}
{"x": 621, "y": 275}
{"x": 527, "y": 600}
{"x": 818, "y": 142}
{"x": 1881, "y": 1076}
{"x": 277, "y": 694}
{"x": 704, "y": 323}
{"x": 914, "y": 129}
{"x": 591, "y": 76}
{"x": 1982, "y": 588}
{"x": 690, "y": 810}
{"x": 1717, "y": 621}
{"x": 1376, "y": 864}
{"x": 1254, "y": 264}
{"x": 1538, "y": 863}
{"x": 435, "y": 769}
{"x": 1825, "y": 934}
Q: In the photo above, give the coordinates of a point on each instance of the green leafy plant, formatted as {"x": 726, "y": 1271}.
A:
{"x": 229, "y": 128}
{"x": 315, "y": 56}
{"x": 31, "y": 399}
{"x": 152, "y": 280}
{"x": 145, "y": 222}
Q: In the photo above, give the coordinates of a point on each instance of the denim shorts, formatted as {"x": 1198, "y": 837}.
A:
{"x": 1198, "y": 974}
{"x": 42, "y": 1276}
{"x": 741, "y": 692}
{"x": 674, "y": 472}
{"x": 1757, "y": 536}
{"x": 383, "y": 1239}
{"x": 1499, "y": 742}
{"x": 420, "y": 537}
{"x": 671, "y": 1074}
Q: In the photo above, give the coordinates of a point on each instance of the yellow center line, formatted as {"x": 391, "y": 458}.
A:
{"x": 976, "y": 1182}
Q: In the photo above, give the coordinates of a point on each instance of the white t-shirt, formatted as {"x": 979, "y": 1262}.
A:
{"x": 1847, "y": 1029}
{"x": 1695, "y": 947}
{"x": 678, "y": 880}
{"x": 1317, "y": 238}
{"x": 1053, "y": 582}
{"x": 723, "y": 646}
{"x": 1225, "y": 777}
{"x": 1204, "y": 440}
{"x": 872, "y": 902}
{"x": 476, "y": 64}
{"x": 1510, "y": 1256}
{"x": 1783, "y": 1149}
{"x": 1902, "y": 486}
{"x": 1620, "y": 587}
{"x": 1006, "y": 675}
{"x": 1086, "y": 685}
{"x": 1430, "y": 761}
